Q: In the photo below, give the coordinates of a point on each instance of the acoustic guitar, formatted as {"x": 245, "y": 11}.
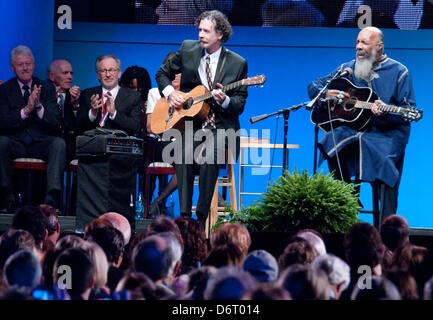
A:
{"x": 165, "y": 117}
{"x": 356, "y": 111}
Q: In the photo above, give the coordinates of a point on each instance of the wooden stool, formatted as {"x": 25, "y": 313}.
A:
{"x": 216, "y": 210}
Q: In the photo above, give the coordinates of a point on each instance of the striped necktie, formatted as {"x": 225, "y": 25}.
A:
{"x": 104, "y": 114}
{"x": 210, "y": 119}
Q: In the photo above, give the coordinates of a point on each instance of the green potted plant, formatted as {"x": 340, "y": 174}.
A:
{"x": 297, "y": 201}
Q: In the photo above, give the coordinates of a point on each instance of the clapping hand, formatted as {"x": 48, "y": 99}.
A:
{"x": 95, "y": 103}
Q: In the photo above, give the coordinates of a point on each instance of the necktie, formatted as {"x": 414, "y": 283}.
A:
{"x": 61, "y": 100}
{"x": 210, "y": 119}
{"x": 26, "y": 93}
{"x": 27, "y": 139}
{"x": 104, "y": 114}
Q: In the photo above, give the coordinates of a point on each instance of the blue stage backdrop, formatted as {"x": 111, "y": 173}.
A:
{"x": 30, "y": 23}
{"x": 290, "y": 58}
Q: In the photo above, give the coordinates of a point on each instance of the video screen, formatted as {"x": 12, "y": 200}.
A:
{"x": 401, "y": 14}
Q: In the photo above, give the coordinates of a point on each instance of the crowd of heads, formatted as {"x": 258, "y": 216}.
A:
{"x": 172, "y": 259}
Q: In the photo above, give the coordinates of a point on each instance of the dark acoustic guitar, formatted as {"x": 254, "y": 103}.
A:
{"x": 356, "y": 111}
{"x": 165, "y": 117}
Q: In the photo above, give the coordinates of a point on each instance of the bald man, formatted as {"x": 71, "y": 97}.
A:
{"x": 60, "y": 74}
{"x": 120, "y": 223}
{"x": 377, "y": 151}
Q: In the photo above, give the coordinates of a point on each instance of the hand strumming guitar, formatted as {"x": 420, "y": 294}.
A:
{"x": 176, "y": 100}
{"x": 338, "y": 94}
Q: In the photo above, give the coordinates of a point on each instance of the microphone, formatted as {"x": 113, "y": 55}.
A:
{"x": 347, "y": 72}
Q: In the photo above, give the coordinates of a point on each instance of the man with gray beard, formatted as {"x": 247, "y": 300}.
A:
{"x": 376, "y": 152}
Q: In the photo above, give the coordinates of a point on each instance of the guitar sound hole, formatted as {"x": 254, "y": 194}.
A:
{"x": 188, "y": 103}
{"x": 348, "y": 106}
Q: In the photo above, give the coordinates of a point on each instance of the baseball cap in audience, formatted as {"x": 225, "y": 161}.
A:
{"x": 261, "y": 265}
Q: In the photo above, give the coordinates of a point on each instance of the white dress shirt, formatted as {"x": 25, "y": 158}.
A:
{"x": 113, "y": 93}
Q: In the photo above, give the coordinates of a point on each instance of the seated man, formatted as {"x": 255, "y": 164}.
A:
{"x": 109, "y": 105}
{"x": 110, "y": 179}
{"x": 29, "y": 127}
{"x": 374, "y": 152}
{"x": 60, "y": 74}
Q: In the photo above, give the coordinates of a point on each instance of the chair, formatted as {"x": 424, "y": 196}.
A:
{"x": 378, "y": 187}
{"x": 378, "y": 195}
{"x": 154, "y": 168}
{"x": 29, "y": 164}
{"x": 71, "y": 174}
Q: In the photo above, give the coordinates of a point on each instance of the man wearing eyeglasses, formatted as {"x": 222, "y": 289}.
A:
{"x": 109, "y": 105}
{"x": 111, "y": 179}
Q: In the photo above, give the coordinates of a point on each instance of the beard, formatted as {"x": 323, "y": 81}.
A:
{"x": 363, "y": 66}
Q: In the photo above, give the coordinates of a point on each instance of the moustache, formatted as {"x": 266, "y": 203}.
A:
{"x": 362, "y": 53}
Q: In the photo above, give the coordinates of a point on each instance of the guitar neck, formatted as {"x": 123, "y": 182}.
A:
{"x": 208, "y": 95}
{"x": 381, "y": 107}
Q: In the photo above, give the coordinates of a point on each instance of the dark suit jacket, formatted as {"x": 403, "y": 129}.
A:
{"x": 68, "y": 118}
{"x": 187, "y": 61}
{"x": 11, "y": 103}
{"x": 128, "y": 106}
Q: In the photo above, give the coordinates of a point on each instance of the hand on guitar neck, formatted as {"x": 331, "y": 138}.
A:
{"x": 345, "y": 96}
{"x": 176, "y": 99}
{"x": 375, "y": 108}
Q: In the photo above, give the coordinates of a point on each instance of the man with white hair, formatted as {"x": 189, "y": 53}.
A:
{"x": 376, "y": 151}
{"x": 159, "y": 256}
{"x": 109, "y": 105}
{"x": 29, "y": 127}
{"x": 337, "y": 271}
{"x": 60, "y": 74}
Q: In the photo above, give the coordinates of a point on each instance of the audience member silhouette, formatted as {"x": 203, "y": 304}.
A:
{"x": 229, "y": 283}
{"x": 22, "y": 269}
{"x": 81, "y": 268}
{"x": 379, "y": 288}
{"x": 337, "y": 271}
{"x": 304, "y": 283}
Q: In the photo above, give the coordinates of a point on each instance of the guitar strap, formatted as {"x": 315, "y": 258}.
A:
{"x": 217, "y": 79}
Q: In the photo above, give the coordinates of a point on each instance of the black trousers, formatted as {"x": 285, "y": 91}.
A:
{"x": 203, "y": 156}
{"x": 52, "y": 150}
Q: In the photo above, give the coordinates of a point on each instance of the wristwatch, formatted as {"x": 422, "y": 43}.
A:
{"x": 39, "y": 107}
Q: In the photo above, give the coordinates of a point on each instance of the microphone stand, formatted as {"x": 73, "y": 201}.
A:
{"x": 310, "y": 106}
{"x": 286, "y": 114}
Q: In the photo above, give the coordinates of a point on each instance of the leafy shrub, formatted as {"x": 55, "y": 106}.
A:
{"x": 297, "y": 201}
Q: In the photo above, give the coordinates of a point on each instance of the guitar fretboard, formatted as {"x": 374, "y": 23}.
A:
{"x": 381, "y": 107}
{"x": 208, "y": 95}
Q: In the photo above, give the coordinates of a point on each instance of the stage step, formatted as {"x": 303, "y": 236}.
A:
{"x": 67, "y": 224}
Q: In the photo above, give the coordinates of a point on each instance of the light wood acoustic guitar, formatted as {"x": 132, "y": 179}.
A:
{"x": 165, "y": 117}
